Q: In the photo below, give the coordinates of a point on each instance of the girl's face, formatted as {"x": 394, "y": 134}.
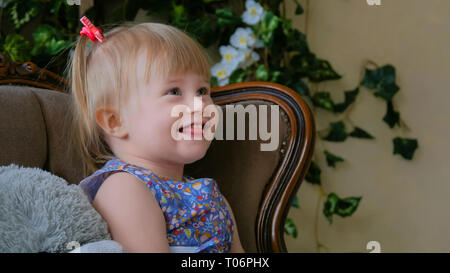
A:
{"x": 151, "y": 123}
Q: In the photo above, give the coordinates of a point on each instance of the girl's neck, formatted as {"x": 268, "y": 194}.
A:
{"x": 168, "y": 170}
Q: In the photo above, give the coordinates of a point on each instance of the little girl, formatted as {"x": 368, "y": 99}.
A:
{"x": 123, "y": 91}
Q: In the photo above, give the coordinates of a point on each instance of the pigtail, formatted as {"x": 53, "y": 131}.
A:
{"x": 82, "y": 128}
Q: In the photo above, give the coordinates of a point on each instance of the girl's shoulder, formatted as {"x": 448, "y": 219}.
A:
{"x": 92, "y": 183}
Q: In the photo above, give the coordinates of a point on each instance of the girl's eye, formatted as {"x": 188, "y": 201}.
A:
{"x": 203, "y": 90}
{"x": 176, "y": 90}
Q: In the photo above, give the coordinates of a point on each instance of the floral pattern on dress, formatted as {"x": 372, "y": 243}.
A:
{"x": 195, "y": 211}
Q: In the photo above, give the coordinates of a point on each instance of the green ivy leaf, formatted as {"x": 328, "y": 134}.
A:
{"x": 261, "y": 73}
{"x": 387, "y": 91}
{"x": 298, "y": 9}
{"x": 293, "y": 81}
{"x": 329, "y": 207}
{"x": 383, "y": 80}
{"x": 317, "y": 70}
{"x": 350, "y": 97}
{"x": 332, "y": 159}
{"x": 337, "y": 132}
{"x": 48, "y": 41}
{"x": 347, "y": 206}
{"x": 295, "y": 202}
{"x": 295, "y": 40}
{"x": 22, "y": 11}
{"x": 226, "y": 19}
{"x": 405, "y": 147}
{"x": 342, "y": 207}
{"x": 267, "y": 26}
{"x": 179, "y": 16}
{"x": 313, "y": 174}
{"x": 56, "y": 5}
{"x": 17, "y": 48}
{"x": 290, "y": 228}
{"x": 69, "y": 13}
{"x": 300, "y": 87}
{"x": 200, "y": 29}
{"x": 392, "y": 117}
{"x": 360, "y": 133}
{"x": 275, "y": 75}
{"x": 323, "y": 100}
{"x": 238, "y": 75}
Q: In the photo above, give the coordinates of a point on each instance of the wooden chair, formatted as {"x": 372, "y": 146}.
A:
{"x": 260, "y": 185}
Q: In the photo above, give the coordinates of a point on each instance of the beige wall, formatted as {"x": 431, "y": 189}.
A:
{"x": 405, "y": 204}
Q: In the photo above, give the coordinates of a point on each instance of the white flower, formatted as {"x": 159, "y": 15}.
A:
{"x": 223, "y": 82}
{"x": 250, "y": 58}
{"x": 231, "y": 55}
{"x": 242, "y": 38}
{"x": 254, "y": 12}
{"x": 258, "y": 44}
{"x": 255, "y": 57}
{"x": 222, "y": 72}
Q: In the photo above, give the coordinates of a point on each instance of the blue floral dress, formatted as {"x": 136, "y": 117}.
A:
{"x": 195, "y": 212}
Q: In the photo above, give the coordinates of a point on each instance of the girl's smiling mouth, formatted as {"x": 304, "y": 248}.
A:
{"x": 193, "y": 129}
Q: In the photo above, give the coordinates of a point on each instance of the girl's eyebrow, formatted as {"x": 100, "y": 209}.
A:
{"x": 203, "y": 84}
{"x": 172, "y": 80}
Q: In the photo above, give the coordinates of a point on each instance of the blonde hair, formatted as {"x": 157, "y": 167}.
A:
{"x": 107, "y": 75}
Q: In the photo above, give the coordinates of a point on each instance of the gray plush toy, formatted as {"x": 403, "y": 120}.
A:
{"x": 40, "y": 212}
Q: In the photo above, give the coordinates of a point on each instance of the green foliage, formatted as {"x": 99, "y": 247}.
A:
{"x": 267, "y": 28}
{"x": 315, "y": 69}
{"x": 290, "y": 228}
{"x": 261, "y": 73}
{"x": 53, "y": 24}
{"x": 405, "y": 147}
{"x": 350, "y": 97}
{"x": 295, "y": 39}
{"x": 298, "y": 9}
{"x": 392, "y": 117}
{"x": 382, "y": 80}
{"x": 48, "y": 41}
{"x": 323, "y": 100}
{"x": 21, "y": 12}
{"x": 226, "y": 18}
{"x": 238, "y": 75}
{"x": 337, "y": 132}
{"x": 344, "y": 207}
{"x": 332, "y": 159}
{"x": 295, "y": 203}
{"x": 360, "y": 133}
{"x": 16, "y": 48}
{"x": 313, "y": 174}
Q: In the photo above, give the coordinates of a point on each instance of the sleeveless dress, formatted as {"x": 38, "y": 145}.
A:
{"x": 197, "y": 217}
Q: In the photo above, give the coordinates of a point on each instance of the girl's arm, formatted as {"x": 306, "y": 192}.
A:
{"x": 236, "y": 246}
{"x": 134, "y": 217}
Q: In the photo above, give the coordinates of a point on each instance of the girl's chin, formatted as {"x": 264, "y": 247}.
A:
{"x": 193, "y": 155}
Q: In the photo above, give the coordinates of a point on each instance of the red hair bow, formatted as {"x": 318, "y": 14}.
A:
{"x": 90, "y": 30}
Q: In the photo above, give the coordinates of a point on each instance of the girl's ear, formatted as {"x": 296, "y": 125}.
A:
{"x": 111, "y": 123}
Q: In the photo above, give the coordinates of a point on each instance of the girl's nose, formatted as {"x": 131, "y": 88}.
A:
{"x": 197, "y": 105}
